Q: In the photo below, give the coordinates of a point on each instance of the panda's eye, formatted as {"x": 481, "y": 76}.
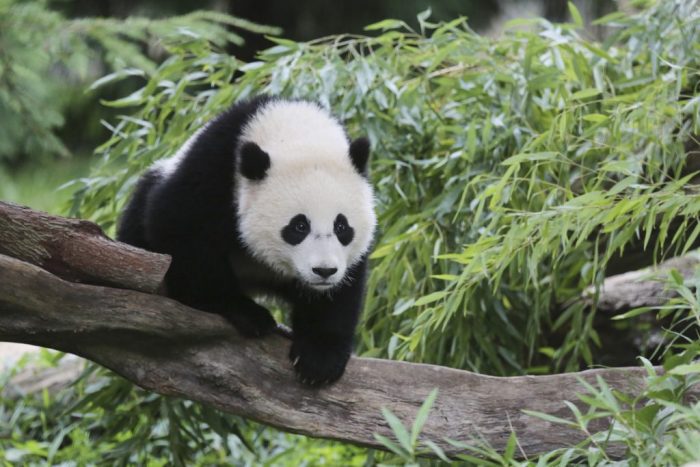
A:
{"x": 301, "y": 227}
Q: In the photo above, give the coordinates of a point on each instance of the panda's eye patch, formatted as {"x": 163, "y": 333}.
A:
{"x": 342, "y": 230}
{"x": 296, "y": 230}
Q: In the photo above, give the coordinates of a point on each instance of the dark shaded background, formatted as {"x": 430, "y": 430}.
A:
{"x": 301, "y": 20}
{"x": 310, "y": 19}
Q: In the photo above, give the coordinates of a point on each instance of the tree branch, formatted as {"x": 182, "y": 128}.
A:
{"x": 171, "y": 349}
{"x": 646, "y": 287}
{"x": 77, "y": 250}
{"x": 166, "y": 347}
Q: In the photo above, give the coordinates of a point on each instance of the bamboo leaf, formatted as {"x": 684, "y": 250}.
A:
{"x": 399, "y": 430}
{"x": 422, "y": 415}
{"x": 575, "y": 15}
{"x": 585, "y": 93}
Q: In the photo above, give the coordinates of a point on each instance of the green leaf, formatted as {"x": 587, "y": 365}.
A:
{"x": 532, "y": 156}
{"x": 633, "y": 313}
{"x": 423, "y": 17}
{"x": 686, "y": 369}
{"x": 510, "y": 447}
{"x": 391, "y": 446}
{"x": 677, "y": 277}
{"x": 382, "y": 251}
{"x": 422, "y": 415}
{"x": 445, "y": 277}
{"x": 430, "y": 298}
{"x": 576, "y": 16}
{"x": 133, "y": 99}
{"x": 611, "y": 18}
{"x": 437, "y": 450}
{"x": 399, "y": 430}
{"x": 386, "y": 25}
{"x": 549, "y": 418}
{"x": 595, "y": 118}
{"x": 117, "y": 75}
{"x": 585, "y": 93}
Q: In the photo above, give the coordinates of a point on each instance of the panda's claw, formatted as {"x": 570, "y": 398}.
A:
{"x": 318, "y": 365}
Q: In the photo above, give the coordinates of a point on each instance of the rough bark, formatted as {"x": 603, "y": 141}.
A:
{"x": 77, "y": 250}
{"x": 635, "y": 289}
{"x": 169, "y": 348}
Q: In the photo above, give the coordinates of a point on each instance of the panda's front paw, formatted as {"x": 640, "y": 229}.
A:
{"x": 316, "y": 364}
{"x": 253, "y": 320}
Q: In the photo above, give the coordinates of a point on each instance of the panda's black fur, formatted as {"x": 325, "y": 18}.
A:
{"x": 191, "y": 215}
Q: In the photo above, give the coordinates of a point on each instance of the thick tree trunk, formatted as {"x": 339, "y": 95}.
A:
{"x": 166, "y": 347}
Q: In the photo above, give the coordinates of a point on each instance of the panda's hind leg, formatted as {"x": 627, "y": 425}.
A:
{"x": 131, "y": 228}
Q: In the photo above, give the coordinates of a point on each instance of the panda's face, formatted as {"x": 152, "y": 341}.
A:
{"x": 320, "y": 253}
{"x": 311, "y": 222}
{"x": 305, "y": 207}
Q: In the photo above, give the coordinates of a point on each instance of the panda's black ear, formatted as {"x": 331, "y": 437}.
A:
{"x": 254, "y": 161}
{"x": 359, "y": 154}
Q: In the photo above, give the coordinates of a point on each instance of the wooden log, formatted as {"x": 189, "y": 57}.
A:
{"x": 166, "y": 347}
{"x": 32, "y": 379}
{"x": 77, "y": 250}
{"x": 646, "y": 287}
{"x": 171, "y": 349}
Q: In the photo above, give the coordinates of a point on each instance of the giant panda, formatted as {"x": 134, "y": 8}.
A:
{"x": 269, "y": 198}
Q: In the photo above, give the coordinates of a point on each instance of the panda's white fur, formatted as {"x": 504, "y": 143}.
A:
{"x": 311, "y": 174}
{"x": 164, "y": 168}
{"x": 269, "y": 197}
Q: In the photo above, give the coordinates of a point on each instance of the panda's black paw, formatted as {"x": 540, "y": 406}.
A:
{"x": 253, "y": 321}
{"x": 318, "y": 365}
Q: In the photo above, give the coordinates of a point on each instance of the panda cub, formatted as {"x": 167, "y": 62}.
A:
{"x": 269, "y": 198}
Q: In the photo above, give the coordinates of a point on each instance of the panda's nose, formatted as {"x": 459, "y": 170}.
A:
{"x": 324, "y": 272}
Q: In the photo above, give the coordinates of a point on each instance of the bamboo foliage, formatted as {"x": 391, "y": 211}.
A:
{"x": 509, "y": 172}
{"x": 512, "y": 174}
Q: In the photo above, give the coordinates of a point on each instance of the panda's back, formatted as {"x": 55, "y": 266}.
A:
{"x": 189, "y": 196}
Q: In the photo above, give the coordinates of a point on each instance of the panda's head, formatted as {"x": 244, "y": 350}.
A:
{"x": 305, "y": 207}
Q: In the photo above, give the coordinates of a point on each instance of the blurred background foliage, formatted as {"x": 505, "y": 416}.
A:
{"x": 48, "y": 61}
{"x": 53, "y": 49}
{"x": 513, "y": 169}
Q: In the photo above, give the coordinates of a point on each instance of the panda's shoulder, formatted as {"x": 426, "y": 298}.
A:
{"x": 206, "y": 149}
{"x": 240, "y": 113}
{"x": 224, "y": 130}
